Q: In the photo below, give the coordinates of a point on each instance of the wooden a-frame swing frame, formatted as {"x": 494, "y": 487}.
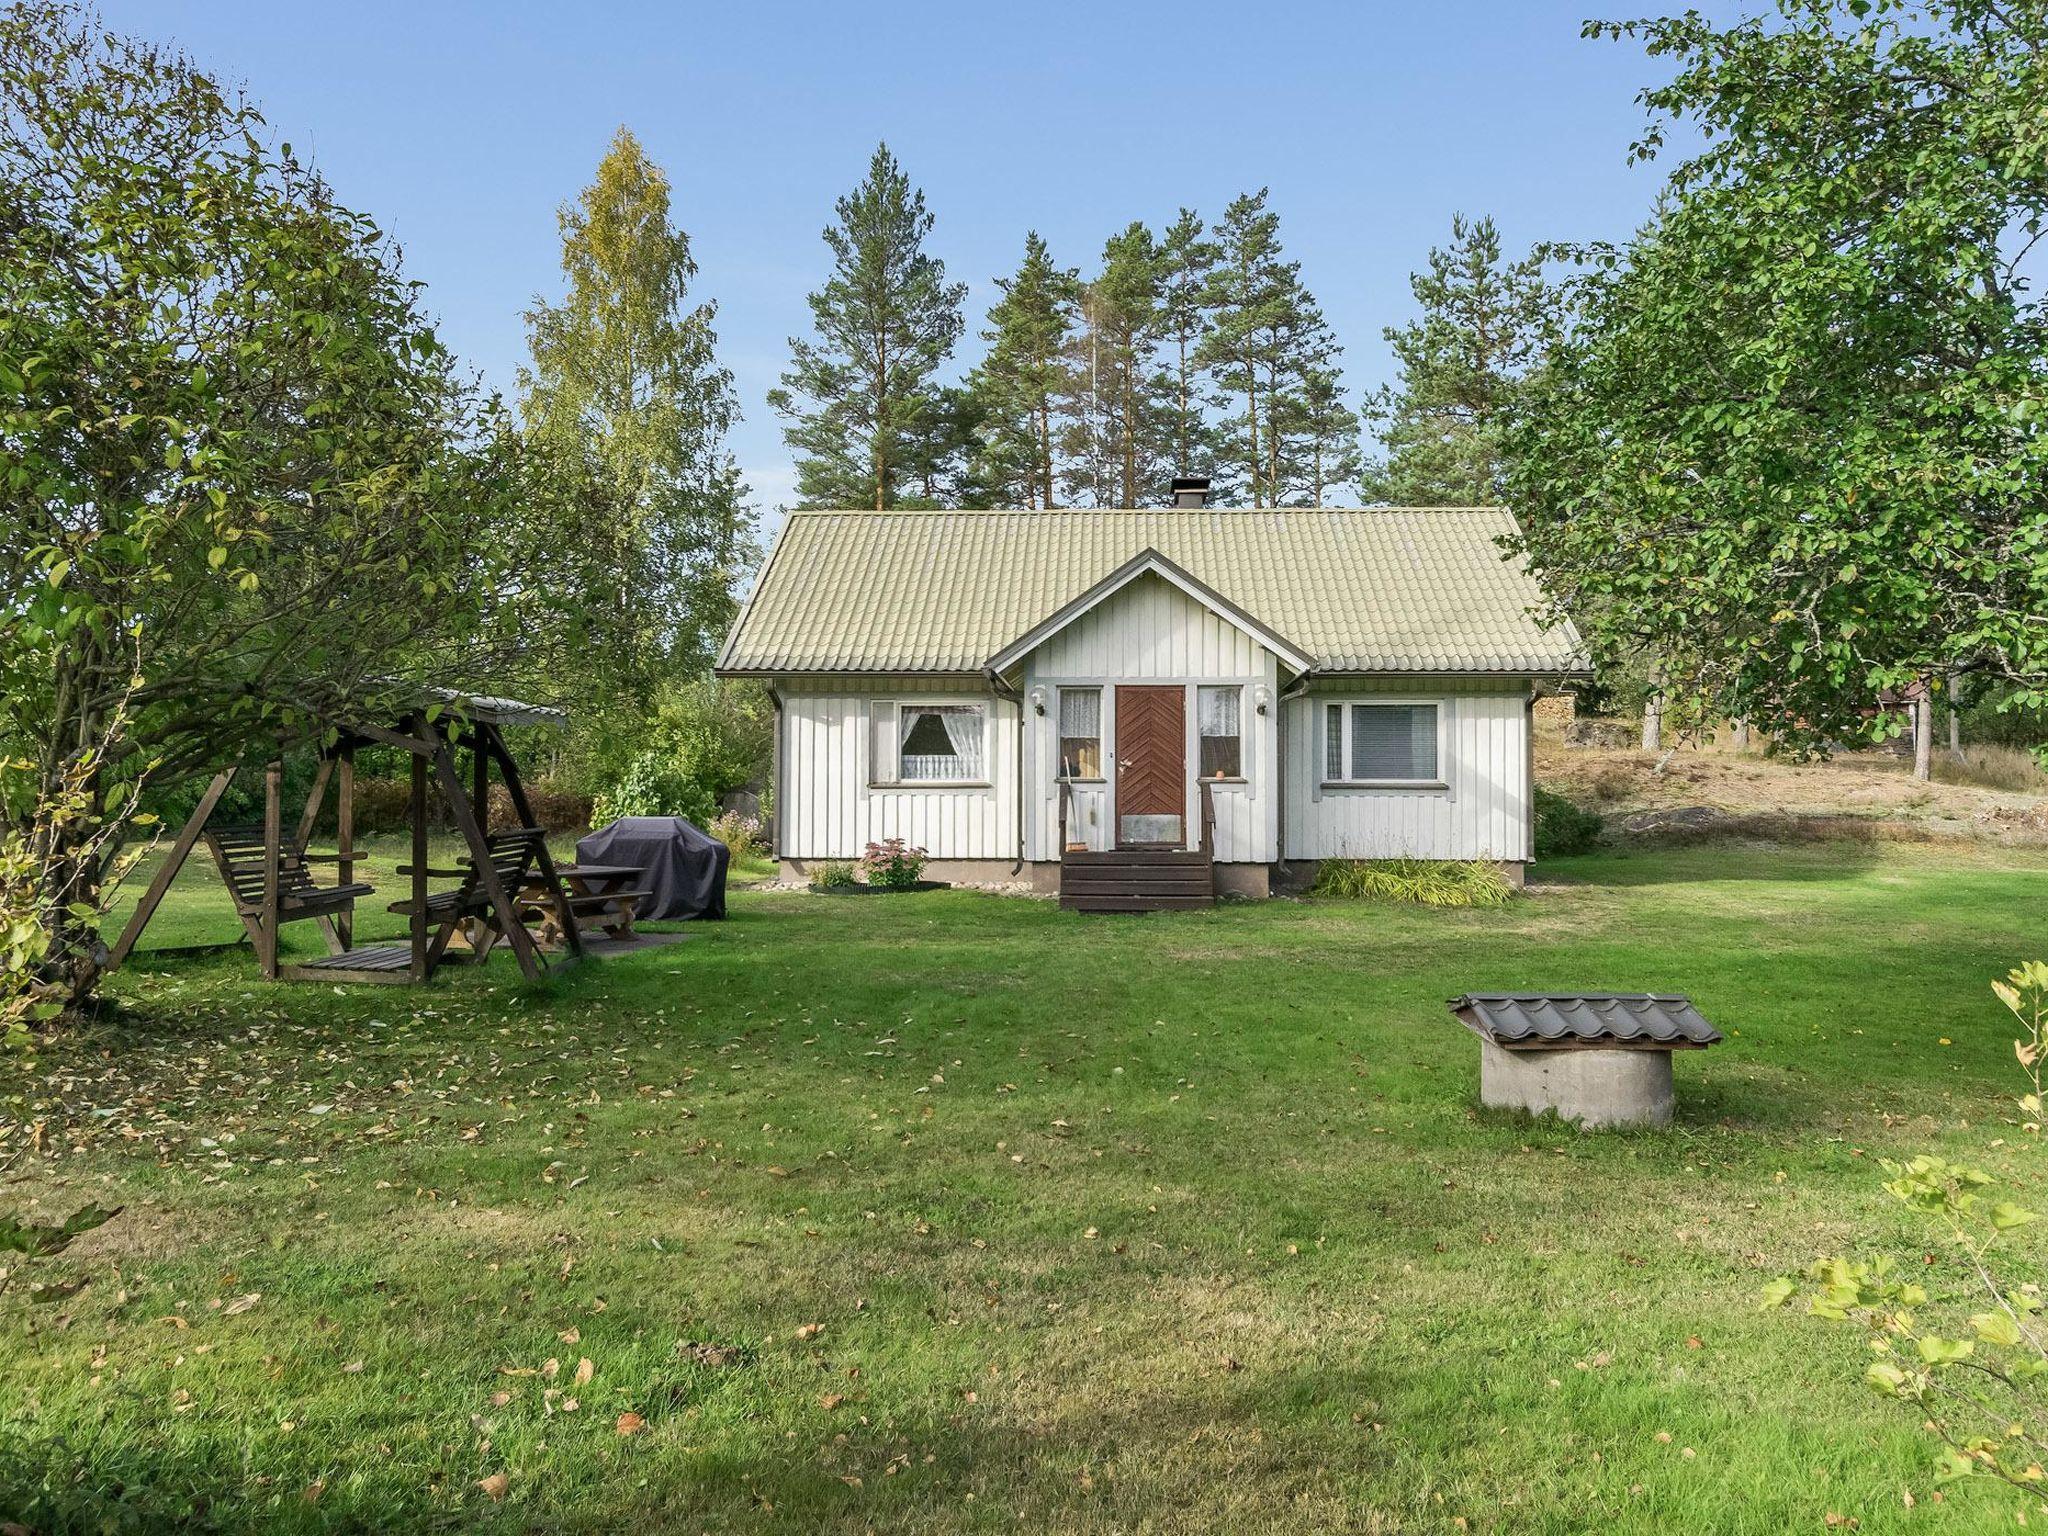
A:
{"x": 267, "y": 873}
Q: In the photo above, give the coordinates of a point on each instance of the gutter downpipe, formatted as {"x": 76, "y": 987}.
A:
{"x": 1003, "y": 690}
{"x": 1293, "y": 690}
{"x": 775, "y": 781}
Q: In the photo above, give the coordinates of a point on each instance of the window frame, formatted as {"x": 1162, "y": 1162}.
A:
{"x": 1440, "y": 704}
{"x": 1243, "y": 737}
{"x": 1059, "y": 736}
{"x": 893, "y": 708}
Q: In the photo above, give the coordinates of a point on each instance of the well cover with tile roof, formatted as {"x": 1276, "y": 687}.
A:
{"x": 1361, "y": 590}
{"x": 1541, "y": 1021}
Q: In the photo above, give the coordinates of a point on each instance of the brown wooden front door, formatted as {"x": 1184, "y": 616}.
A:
{"x": 1151, "y": 765}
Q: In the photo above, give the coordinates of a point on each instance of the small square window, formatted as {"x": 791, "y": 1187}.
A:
{"x": 1380, "y": 744}
{"x": 1218, "y": 714}
{"x": 1080, "y": 733}
{"x": 939, "y": 743}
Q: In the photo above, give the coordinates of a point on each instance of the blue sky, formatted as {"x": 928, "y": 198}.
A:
{"x": 461, "y": 128}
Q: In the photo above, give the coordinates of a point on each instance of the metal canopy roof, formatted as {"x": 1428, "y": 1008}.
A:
{"x": 1375, "y": 589}
{"x": 1609, "y": 1020}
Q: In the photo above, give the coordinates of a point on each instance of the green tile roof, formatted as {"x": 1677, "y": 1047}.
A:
{"x": 1371, "y": 590}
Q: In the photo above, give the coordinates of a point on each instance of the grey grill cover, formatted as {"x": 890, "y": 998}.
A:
{"x": 682, "y": 866}
{"x": 1533, "y": 1020}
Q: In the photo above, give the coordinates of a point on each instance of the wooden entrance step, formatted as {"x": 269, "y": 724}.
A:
{"x": 1137, "y": 880}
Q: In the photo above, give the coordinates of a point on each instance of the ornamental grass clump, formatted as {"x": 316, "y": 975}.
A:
{"x": 1423, "y": 882}
{"x": 834, "y": 875}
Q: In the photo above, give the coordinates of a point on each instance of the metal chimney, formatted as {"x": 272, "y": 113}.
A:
{"x": 1191, "y": 491}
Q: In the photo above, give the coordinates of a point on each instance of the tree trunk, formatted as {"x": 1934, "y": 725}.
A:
{"x": 1738, "y": 735}
{"x": 1955, "y": 716}
{"x": 1923, "y": 734}
{"x": 1653, "y": 721}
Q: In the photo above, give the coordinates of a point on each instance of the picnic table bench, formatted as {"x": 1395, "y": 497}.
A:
{"x": 605, "y": 894}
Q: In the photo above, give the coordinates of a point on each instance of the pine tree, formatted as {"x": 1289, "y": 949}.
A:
{"x": 941, "y": 460}
{"x": 1117, "y": 431}
{"x": 1442, "y": 424}
{"x": 856, "y": 396}
{"x": 1326, "y": 432}
{"x": 1020, "y": 381}
{"x": 1268, "y": 339}
{"x": 625, "y": 396}
{"x": 1187, "y": 262}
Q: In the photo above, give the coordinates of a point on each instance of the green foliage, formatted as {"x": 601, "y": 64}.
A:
{"x": 1442, "y": 425}
{"x": 856, "y": 396}
{"x": 707, "y": 738}
{"x": 1421, "y": 882}
{"x": 1021, "y": 379}
{"x": 834, "y": 875}
{"x": 654, "y": 784}
{"x": 628, "y": 405}
{"x": 740, "y": 832}
{"x": 41, "y": 1239}
{"x": 1117, "y": 438}
{"x": 1977, "y": 1380}
{"x": 1187, "y": 265}
{"x": 1564, "y": 828}
{"x": 1791, "y": 442}
{"x": 893, "y": 865}
{"x": 243, "y": 481}
{"x": 1267, "y": 340}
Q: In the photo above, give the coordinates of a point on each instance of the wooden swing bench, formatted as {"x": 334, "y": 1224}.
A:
{"x": 266, "y": 866}
{"x": 239, "y": 851}
{"x": 467, "y": 911}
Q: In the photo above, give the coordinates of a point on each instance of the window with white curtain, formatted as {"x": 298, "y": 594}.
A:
{"x": 1218, "y": 714}
{"x": 1080, "y": 733}
{"x": 1380, "y": 744}
{"x": 939, "y": 743}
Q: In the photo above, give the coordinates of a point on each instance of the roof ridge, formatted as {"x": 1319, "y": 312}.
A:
{"x": 1106, "y": 510}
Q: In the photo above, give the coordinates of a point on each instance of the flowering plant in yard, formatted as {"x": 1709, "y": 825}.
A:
{"x": 738, "y": 831}
{"x": 1979, "y": 1379}
{"x": 893, "y": 865}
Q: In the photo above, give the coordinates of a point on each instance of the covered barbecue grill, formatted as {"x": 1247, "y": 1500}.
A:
{"x": 1600, "y": 1059}
{"x": 682, "y": 866}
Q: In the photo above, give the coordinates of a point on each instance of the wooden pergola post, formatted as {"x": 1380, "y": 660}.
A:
{"x": 419, "y": 868}
{"x": 273, "y": 851}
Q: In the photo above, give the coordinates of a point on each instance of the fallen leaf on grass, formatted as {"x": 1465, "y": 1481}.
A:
{"x": 831, "y": 1400}
{"x": 584, "y": 1371}
{"x": 630, "y": 1423}
{"x": 241, "y": 1304}
{"x": 809, "y": 1331}
{"x": 494, "y": 1486}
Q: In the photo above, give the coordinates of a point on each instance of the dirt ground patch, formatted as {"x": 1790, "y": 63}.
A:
{"x": 1703, "y": 790}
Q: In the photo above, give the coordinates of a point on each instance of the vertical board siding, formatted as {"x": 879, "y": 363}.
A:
{"x": 1483, "y": 814}
{"x": 834, "y": 811}
{"x": 1152, "y": 632}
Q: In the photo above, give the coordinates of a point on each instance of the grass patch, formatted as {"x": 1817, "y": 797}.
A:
{"x": 1420, "y": 882}
{"x": 2007, "y": 768}
{"x": 967, "y": 1214}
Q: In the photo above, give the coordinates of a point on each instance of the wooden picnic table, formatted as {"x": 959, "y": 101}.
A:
{"x": 605, "y": 894}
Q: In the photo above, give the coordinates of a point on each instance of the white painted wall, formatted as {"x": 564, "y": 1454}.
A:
{"x": 1152, "y": 632}
{"x": 832, "y": 809}
{"x": 1484, "y": 812}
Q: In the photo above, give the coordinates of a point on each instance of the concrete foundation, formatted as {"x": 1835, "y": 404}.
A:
{"x": 1596, "y": 1089}
{"x": 954, "y": 871}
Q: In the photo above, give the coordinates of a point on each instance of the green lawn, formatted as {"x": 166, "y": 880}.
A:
{"x": 954, "y": 1212}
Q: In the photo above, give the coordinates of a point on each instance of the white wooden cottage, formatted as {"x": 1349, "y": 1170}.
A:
{"x": 1163, "y": 701}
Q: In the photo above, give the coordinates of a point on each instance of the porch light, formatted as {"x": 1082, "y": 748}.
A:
{"x": 1261, "y": 697}
{"x": 1037, "y": 697}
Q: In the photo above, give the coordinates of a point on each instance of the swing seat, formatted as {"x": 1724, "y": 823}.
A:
{"x": 240, "y": 853}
